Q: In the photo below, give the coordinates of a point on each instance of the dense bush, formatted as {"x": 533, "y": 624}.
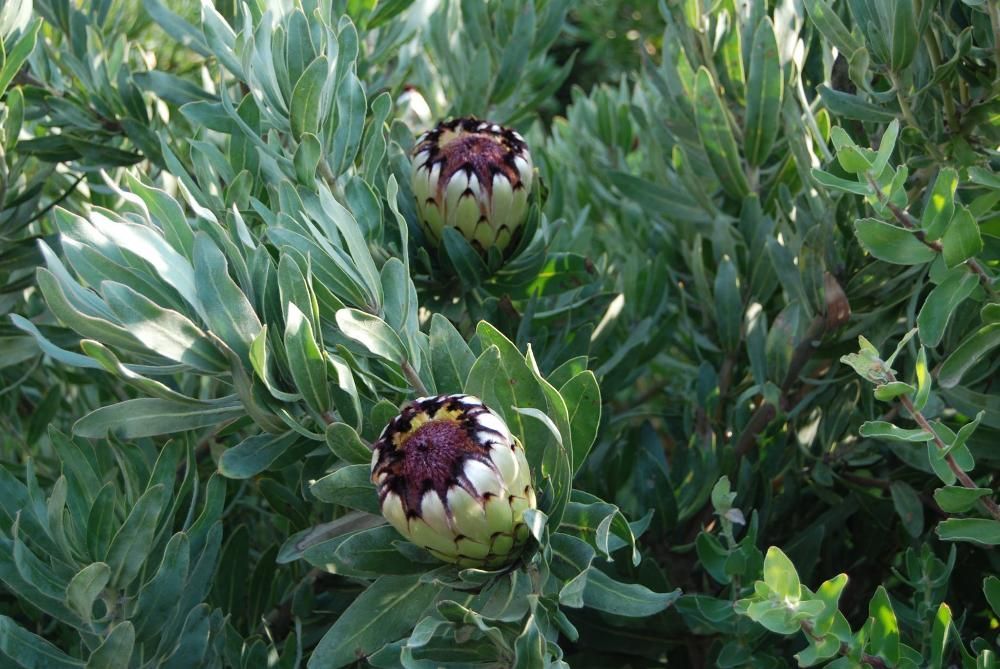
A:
{"x": 746, "y": 336}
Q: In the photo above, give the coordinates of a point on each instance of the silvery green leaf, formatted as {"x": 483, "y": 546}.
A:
{"x": 163, "y": 331}
{"x": 386, "y": 610}
{"x": 21, "y": 646}
{"x": 373, "y": 333}
{"x": 306, "y": 361}
{"x": 146, "y": 417}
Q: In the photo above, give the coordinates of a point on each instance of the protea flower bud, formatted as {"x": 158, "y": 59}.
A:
{"x": 452, "y": 479}
{"x": 474, "y": 176}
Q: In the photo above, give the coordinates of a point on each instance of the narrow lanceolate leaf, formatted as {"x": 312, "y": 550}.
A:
{"x": 305, "y": 113}
{"x": 387, "y": 610}
{"x": 373, "y": 333}
{"x": 85, "y": 587}
{"x": 451, "y": 357}
{"x": 624, "y": 599}
{"x": 255, "y": 454}
{"x": 306, "y": 361}
{"x": 227, "y": 310}
{"x": 147, "y": 417}
{"x": 25, "y": 649}
{"x": 826, "y": 20}
{"x": 134, "y": 539}
{"x": 764, "y": 93}
{"x": 351, "y": 106}
{"x": 116, "y": 650}
{"x": 970, "y": 352}
{"x": 717, "y": 137}
{"x": 582, "y": 395}
{"x": 164, "y": 331}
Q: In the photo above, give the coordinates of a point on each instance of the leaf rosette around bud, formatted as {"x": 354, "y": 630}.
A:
{"x": 476, "y": 177}
{"x": 452, "y": 479}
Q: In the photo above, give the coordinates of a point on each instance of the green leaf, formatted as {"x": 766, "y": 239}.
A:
{"x": 728, "y": 304}
{"x": 306, "y": 112}
{"x": 884, "y": 635}
{"x": 780, "y": 575}
{"x": 878, "y": 429}
{"x": 582, "y": 395}
{"x": 839, "y": 183}
{"x": 347, "y": 445}
{"x": 15, "y": 118}
{"x": 958, "y": 499}
{"x": 908, "y": 506}
{"x": 976, "y": 530}
{"x": 147, "y": 417}
{"x": 846, "y": 105}
{"x": 373, "y": 333}
{"x": 85, "y": 587}
{"x": 164, "y": 331}
{"x": 28, "y": 650}
{"x": 306, "y": 362}
{"x": 991, "y": 588}
{"x": 451, "y": 357}
{"x": 177, "y": 28}
{"x": 939, "y": 637}
{"x": 384, "y": 612}
{"x": 885, "y": 147}
{"x": 515, "y": 54}
{"x": 969, "y": 353}
{"x": 351, "y": 106}
{"x": 961, "y": 239}
{"x": 765, "y": 88}
{"x": 716, "y": 135}
{"x": 158, "y": 599}
{"x": 904, "y": 34}
{"x": 890, "y": 391}
{"x": 115, "y": 652}
{"x": 826, "y": 20}
{"x": 506, "y": 381}
{"x": 307, "y": 157}
{"x": 942, "y": 303}
{"x": 468, "y": 264}
{"x": 228, "y": 313}
{"x": 18, "y": 54}
{"x": 255, "y": 454}
{"x": 892, "y": 244}
{"x": 134, "y": 540}
{"x": 923, "y": 375}
{"x": 940, "y": 204}
{"x": 369, "y": 551}
{"x": 349, "y": 486}
{"x": 624, "y": 599}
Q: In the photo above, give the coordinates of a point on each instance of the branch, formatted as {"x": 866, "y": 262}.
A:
{"x": 414, "y": 379}
{"x": 907, "y": 222}
{"x": 845, "y": 649}
{"x": 987, "y": 503}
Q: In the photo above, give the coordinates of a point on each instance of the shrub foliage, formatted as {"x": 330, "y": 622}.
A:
{"x": 748, "y": 338}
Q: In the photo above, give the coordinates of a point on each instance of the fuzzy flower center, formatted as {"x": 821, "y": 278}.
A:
{"x": 475, "y": 147}
{"x": 433, "y": 456}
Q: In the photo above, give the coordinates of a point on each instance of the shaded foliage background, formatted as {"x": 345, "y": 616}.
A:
{"x": 735, "y": 192}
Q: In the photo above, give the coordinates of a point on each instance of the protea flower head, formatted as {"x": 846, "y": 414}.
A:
{"x": 452, "y": 479}
{"x": 474, "y": 176}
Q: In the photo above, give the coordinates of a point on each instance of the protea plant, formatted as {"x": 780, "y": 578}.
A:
{"x": 452, "y": 479}
{"x": 474, "y": 176}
